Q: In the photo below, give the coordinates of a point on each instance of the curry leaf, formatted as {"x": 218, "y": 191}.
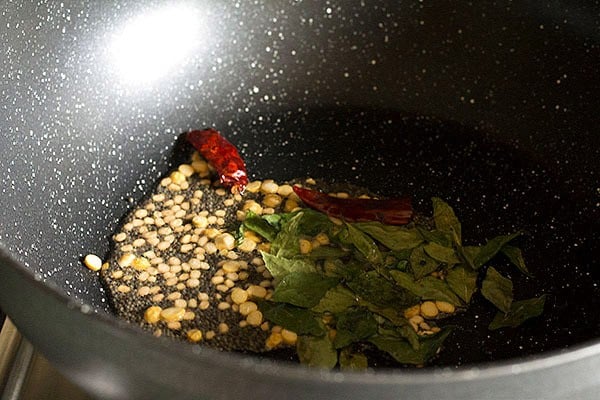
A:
{"x": 408, "y": 332}
{"x": 491, "y": 248}
{"x": 351, "y": 361}
{"x": 336, "y": 300}
{"x": 519, "y": 312}
{"x": 286, "y": 244}
{"x": 327, "y": 252}
{"x": 403, "y": 330}
{"x": 445, "y": 219}
{"x": 402, "y": 265}
{"x": 393, "y": 237}
{"x": 404, "y": 353}
{"x": 375, "y": 289}
{"x": 468, "y": 254}
{"x": 365, "y": 245}
{"x": 403, "y": 254}
{"x": 428, "y": 288}
{"x": 436, "y": 236}
{"x": 316, "y": 351}
{"x": 312, "y": 222}
{"x": 440, "y": 253}
{"x": 390, "y": 313}
{"x": 497, "y": 289}
{"x": 515, "y": 256}
{"x": 353, "y": 326}
{"x": 421, "y": 264}
{"x": 349, "y": 270}
{"x": 279, "y": 267}
{"x": 275, "y": 220}
{"x": 303, "y": 289}
{"x": 296, "y": 319}
{"x": 257, "y": 224}
{"x": 463, "y": 282}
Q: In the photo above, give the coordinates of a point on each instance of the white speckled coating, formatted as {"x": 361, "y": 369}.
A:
{"x": 82, "y": 137}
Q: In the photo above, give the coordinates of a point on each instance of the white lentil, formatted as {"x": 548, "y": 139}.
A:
{"x": 192, "y": 283}
{"x": 126, "y": 259}
{"x": 254, "y": 318}
{"x": 210, "y": 335}
{"x": 143, "y": 291}
{"x": 181, "y": 303}
{"x": 186, "y": 170}
{"x": 126, "y": 248}
{"x": 269, "y": 186}
{"x": 222, "y": 288}
{"x": 285, "y": 190}
{"x": 247, "y": 307}
{"x": 124, "y": 289}
{"x": 223, "y": 327}
{"x": 429, "y": 309}
{"x": 93, "y": 262}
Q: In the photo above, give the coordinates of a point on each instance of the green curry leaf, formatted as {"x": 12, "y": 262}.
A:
{"x": 515, "y": 256}
{"x": 436, "y": 236}
{"x": 421, "y": 264}
{"x": 491, "y": 248}
{"x": 286, "y": 244}
{"x": 259, "y": 225}
{"x": 440, "y": 253}
{"x": 336, "y": 300}
{"x": 322, "y": 252}
{"x": 463, "y": 281}
{"x": 365, "y": 245}
{"x": 316, "y": 351}
{"x": 445, "y": 219}
{"x": 303, "y": 289}
{"x": 352, "y": 361}
{"x": 428, "y": 288}
{"x": 296, "y": 319}
{"x": 404, "y": 353}
{"x": 312, "y": 222}
{"x": 279, "y": 266}
{"x": 519, "y": 312}
{"x": 395, "y": 238}
{"x": 497, "y": 289}
{"x": 375, "y": 289}
{"x": 354, "y": 325}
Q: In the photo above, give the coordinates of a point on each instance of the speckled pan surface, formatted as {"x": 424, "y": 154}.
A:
{"x": 493, "y": 106}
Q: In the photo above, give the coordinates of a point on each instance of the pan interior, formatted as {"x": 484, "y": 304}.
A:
{"x": 79, "y": 146}
{"x": 494, "y": 188}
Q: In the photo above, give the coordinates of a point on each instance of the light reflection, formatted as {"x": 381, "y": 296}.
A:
{"x": 153, "y": 44}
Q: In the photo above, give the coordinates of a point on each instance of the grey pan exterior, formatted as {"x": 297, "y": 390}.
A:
{"x": 80, "y": 140}
{"x": 111, "y": 360}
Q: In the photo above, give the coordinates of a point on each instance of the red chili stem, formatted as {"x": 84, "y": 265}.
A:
{"x": 222, "y": 155}
{"x": 391, "y": 211}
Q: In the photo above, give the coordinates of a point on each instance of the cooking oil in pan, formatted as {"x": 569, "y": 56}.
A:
{"x": 493, "y": 188}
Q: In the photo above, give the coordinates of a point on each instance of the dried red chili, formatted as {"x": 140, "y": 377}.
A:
{"x": 390, "y": 211}
{"x": 222, "y": 155}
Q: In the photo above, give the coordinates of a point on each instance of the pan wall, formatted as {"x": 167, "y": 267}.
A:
{"x": 89, "y": 112}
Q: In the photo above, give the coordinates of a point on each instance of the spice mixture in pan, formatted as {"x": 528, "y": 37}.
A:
{"x": 335, "y": 274}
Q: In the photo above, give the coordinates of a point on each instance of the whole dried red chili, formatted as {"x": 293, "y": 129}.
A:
{"x": 222, "y": 155}
{"x": 391, "y": 211}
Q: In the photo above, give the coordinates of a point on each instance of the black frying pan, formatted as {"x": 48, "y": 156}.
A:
{"x": 490, "y": 107}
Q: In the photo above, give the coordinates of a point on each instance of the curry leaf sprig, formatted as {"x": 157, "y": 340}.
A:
{"x": 354, "y": 289}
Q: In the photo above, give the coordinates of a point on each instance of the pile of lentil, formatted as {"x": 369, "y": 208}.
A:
{"x": 185, "y": 265}
{"x": 177, "y": 269}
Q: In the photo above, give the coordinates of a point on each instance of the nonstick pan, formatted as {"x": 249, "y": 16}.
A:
{"x": 491, "y": 106}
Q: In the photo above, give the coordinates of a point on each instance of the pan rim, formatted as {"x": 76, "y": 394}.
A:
{"x": 448, "y": 374}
